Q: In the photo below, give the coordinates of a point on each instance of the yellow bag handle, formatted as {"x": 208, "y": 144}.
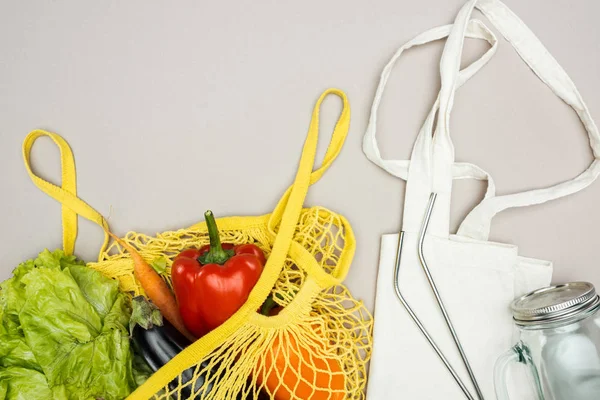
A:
{"x": 290, "y": 206}
{"x": 336, "y": 143}
{"x": 307, "y": 160}
{"x": 67, "y": 193}
{"x": 288, "y": 212}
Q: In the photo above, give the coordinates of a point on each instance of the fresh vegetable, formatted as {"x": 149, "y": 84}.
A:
{"x": 309, "y": 377}
{"x": 212, "y": 283}
{"x": 158, "y": 345}
{"x": 144, "y": 314}
{"x": 156, "y": 288}
{"x": 160, "y": 265}
{"x": 295, "y": 365}
{"x": 63, "y": 333}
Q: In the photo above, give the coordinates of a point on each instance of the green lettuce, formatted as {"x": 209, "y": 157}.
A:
{"x": 18, "y": 383}
{"x": 64, "y": 333}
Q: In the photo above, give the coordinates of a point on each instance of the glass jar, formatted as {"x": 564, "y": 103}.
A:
{"x": 559, "y": 343}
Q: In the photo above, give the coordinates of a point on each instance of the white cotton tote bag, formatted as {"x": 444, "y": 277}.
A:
{"x": 477, "y": 279}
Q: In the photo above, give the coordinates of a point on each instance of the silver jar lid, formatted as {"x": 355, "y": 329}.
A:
{"x": 555, "y": 303}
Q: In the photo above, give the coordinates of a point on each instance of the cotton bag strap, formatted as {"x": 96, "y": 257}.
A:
{"x": 420, "y": 168}
{"x": 66, "y": 194}
{"x": 531, "y": 50}
{"x": 399, "y": 168}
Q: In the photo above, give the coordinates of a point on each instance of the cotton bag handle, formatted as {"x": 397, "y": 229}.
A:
{"x": 531, "y": 50}
{"x": 399, "y": 168}
{"x": 66, "y": 194}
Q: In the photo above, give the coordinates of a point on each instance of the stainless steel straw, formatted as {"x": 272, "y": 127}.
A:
{"x": 438, "y": 298}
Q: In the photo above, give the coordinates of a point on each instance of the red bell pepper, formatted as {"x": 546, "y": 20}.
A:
{"x": 213, "y": 282}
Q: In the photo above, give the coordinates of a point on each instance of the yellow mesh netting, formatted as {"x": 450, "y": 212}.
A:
{"x": 318, "y": 343}
{"x": 319, "y": 353}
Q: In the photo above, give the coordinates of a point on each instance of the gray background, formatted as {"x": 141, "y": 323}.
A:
{"x": 175, "y": 107}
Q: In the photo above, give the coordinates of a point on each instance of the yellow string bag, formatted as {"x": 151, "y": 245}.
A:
{"x": 317, "y": 347}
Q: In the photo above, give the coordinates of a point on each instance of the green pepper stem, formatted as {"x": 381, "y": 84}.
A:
{"x": 216, "y": 254}
{"x": 268, "y": 305}
{"x": 213, "y": 232}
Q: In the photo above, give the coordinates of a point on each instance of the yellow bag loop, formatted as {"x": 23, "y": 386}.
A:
{"x": 289, "y": 207}
{"x": 338, "y": 138}
{"x": 307, "y": 160}
{"x": 288, "y": 212}
{"x": 67, "y": 193}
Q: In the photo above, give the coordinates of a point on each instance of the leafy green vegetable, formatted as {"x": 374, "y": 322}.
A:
{"x": 159, "y": 265}
{"x": 144, "y": 314}
{"x": 18, "y": 383}
{"x": 141, "y": 370}
{"x": 15, "y": 352}
{"x": 12, "y": 298}
{"x": 63, "y": 333}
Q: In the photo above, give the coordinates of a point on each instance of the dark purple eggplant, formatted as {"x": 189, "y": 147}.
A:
{"x": 158, "y": 345}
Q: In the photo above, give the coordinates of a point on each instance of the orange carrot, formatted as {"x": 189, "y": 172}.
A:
{"x": 156, "y": 288}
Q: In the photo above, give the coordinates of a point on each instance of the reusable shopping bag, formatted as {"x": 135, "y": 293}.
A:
{"x": 322, "y": 334}
{"x": 476, "y": 279}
